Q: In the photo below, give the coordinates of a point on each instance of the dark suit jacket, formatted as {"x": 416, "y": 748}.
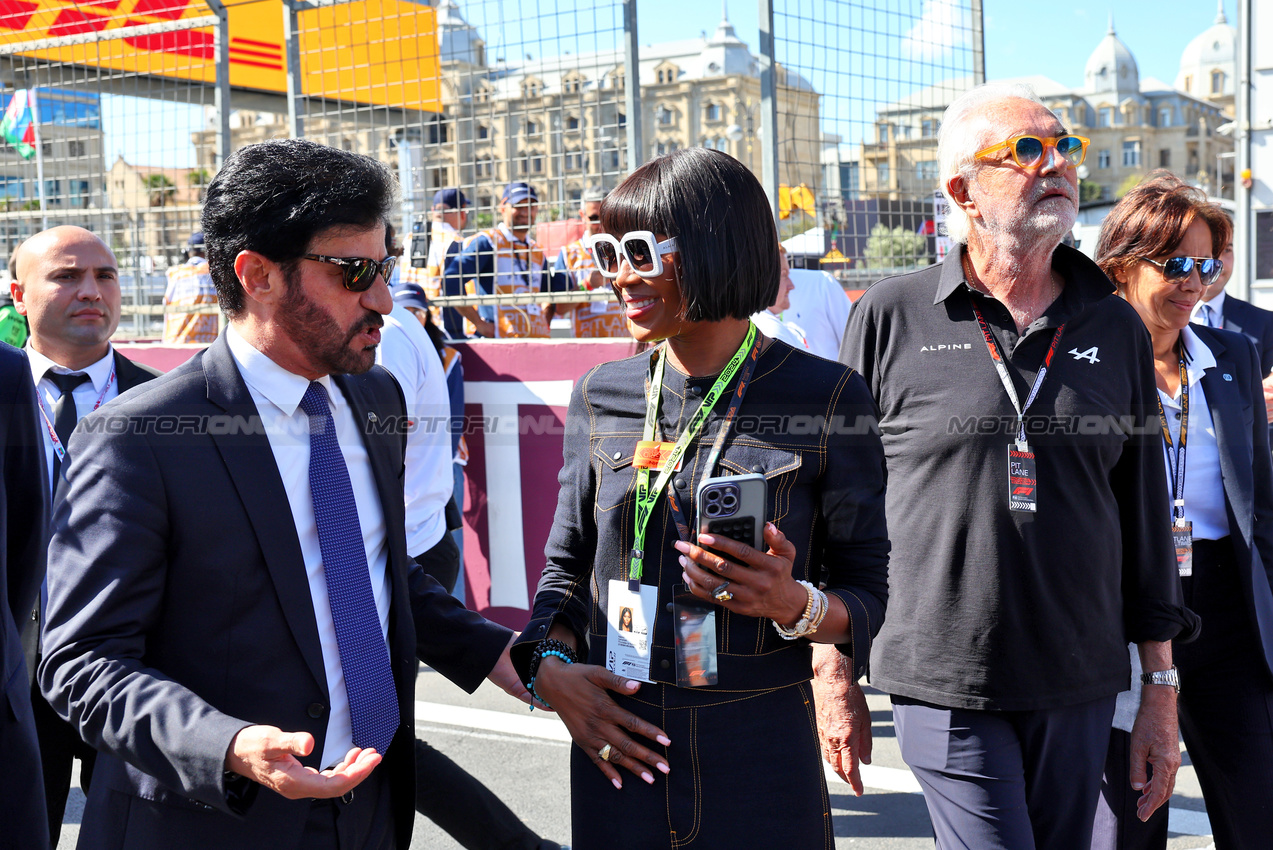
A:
{"x": 23, "y": 535}
{"x": 1237, "y": 408}
{"x": 180, "y": 612}
{"x": 128, "y": 375}
{"x": 1256, "y": 324}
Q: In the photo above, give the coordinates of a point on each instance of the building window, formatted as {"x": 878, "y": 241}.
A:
{"x": 437, "y": 133}
{"x": 623, "y": 119}
{"x": 926, "y": 170}
{"x": 485, "y": 167}
{"x": 665, "y": 116}
{"x": 574, "y": 160}
{"x": 46, "y": 149}
{"x": 722, "y": 144}
{"x": 881, "y": 175}
{"x": 1106, "y": 116}
{"x": 1164, "y": 116}
{"x": 532, "y": 128}
{"x": 76, "y": 148}
{"x": 1188, "y": 82}
{"x": 1131, "y": 153}
{"x": 572, "y": 123}
{"x": 537, "y": 164}
{"x": 612, "y": 161}
{"x": 483, "y": 132}
{"x": 711, "y": 112}
{"x": 1217, "y": 82}
{"x": 929, "y": 127}
{"x": 80, "y": 192}
{"x": 1102, "y": 159}
{"x": 532, "y": 88}
{"x": 1164, "y": 158}
{"x": 881, "y": 131}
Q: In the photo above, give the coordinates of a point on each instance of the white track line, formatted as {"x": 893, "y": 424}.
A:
{"x": 548, "y": 727}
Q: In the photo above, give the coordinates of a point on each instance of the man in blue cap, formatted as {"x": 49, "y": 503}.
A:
{"x": 447, "y": 220}
{"x": 190, "y": 284}
{"x": 505, "y": 260}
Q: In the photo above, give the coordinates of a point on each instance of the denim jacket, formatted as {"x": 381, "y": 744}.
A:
{"x": 808, "y": 424}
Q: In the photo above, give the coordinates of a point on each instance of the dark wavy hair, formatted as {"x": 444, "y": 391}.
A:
{"x": 723, "y": 224}
{"x": 1151, "y": 221}
{"x": 276, "y": 196}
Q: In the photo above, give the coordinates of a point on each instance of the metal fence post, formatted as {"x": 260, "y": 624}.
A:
{"x": 1243, "y": 249}
{"x": 221, "y": 95}
{"x": 292, "y": 42}
{"x": 632, "y": 86}
{"x": 978, "y": 44}
{"x": 769, "y": 106}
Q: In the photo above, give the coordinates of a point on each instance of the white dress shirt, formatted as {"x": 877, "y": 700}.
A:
{"x": 1204, "y": 489}
{"x": 409, "y": 354}
{"x": 820, "y": 309}
{"x": 277, "y": 394}
{"x": 85, "y": 395}
{"x": 775, "y": 328}
{"x": 1216, "y": 306}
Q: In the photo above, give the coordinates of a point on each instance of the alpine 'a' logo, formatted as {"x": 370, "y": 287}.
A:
{"x": 1089, "y": 355}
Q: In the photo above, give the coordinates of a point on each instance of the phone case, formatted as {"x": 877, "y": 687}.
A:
{"x": 733, "y": 506}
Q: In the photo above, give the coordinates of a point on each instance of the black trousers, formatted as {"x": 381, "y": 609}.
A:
{"x": 1226, "y": 719}
{"x": 60, "y": 745}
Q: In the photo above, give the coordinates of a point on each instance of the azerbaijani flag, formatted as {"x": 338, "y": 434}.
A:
{"x": 18, "y": 124}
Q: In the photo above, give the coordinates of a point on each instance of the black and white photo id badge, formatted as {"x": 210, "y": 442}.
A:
{"x": 1182, "y": 537}
{"x": 1023, "y": 482}
{"x": 629, "y": 618}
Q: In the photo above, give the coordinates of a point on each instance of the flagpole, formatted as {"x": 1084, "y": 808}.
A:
{"x": 39, "y": 157}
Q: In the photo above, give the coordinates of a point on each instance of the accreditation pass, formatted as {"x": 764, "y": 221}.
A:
{"x": 629, "y": 618}
{"x": 1023, "y": 483}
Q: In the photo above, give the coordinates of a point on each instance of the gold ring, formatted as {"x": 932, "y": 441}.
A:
{"x": 721, "y": 593}
{"x": 604, "y": 752}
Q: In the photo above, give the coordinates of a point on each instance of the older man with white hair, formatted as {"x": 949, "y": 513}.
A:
{"x": 1026, "y": 504}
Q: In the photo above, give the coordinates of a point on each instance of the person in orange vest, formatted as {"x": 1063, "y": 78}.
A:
{"x": 447, "y": 220}
{"x": 190, "y": 284}
{"x": 603, "y": 317}
{"x": 505, "y": 260}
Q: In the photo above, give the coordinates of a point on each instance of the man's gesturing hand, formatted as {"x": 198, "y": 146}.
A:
{"x": 267, "y": 754}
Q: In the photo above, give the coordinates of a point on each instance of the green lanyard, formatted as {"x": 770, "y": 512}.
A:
{"x": 647, "y": 496}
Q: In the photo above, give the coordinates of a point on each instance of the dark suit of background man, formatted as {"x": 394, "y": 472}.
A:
{"x": 66, "y": 283}
{"x": 23, "y": 525}
{"x": 1221, "y": 310}
{"x": 231, "y": 602}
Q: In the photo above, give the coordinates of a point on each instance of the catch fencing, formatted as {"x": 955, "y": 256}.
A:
{"x": 835, "y": 104}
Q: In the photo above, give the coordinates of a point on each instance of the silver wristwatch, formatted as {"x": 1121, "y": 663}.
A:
{"x": 1162, "y": 677}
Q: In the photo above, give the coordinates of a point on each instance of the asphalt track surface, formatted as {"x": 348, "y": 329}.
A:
{"x": 522, "y": 757}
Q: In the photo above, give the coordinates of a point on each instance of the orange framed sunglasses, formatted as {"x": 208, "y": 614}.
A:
{"x": 1028, "y": 151}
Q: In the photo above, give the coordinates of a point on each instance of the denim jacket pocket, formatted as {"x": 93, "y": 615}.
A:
{"x": 616, "y": 479}
{"x": 781, "y": 468}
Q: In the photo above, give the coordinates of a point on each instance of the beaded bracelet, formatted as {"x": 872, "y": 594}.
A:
{"x": 555, "y": 648}
{"x": 805, "y": 625}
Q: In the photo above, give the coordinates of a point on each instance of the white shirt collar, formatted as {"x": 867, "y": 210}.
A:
{"x": 1198, "y": 357}
{"x": 509, "y": 235}
{"x": 98, "y": 372}
{"x": 1217, "y": 307}
{"x": 282, "y": 388}
{"x": 444, "y": 227}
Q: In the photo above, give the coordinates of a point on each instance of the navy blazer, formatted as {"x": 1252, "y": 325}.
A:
{"x": 180, "y": 612}
{"x": 1256, "y": 324}
{"x": 128, "y": 375}
{"x": 23, "y": 534}
{"x": 1236, "y": 400}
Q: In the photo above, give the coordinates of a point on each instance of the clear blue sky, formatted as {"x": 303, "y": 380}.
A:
{"x": 1049, "y": 39}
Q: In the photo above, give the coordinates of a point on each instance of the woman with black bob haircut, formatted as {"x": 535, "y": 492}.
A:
{"x": 697, "y": 727}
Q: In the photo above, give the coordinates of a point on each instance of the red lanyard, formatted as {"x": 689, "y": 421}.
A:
{"x": 58, "y": 448}
{"x": 1000, "y": 366}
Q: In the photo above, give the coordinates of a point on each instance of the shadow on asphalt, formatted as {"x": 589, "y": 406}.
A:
{"x": 880, "y": 815}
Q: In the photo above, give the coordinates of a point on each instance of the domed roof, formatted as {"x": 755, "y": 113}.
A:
{"x": 1215, "y": 46}
{"x": 1111, "y": 67}
{"x": 457, "y": 40}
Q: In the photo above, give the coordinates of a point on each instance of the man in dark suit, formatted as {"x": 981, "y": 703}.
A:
{"x": 66, "y": 282}
{"x": 233, "y": 616}
{"x": 1221, "y": 310}
{"x": 23, "y": 535}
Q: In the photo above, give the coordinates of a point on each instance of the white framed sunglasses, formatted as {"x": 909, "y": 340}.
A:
{"x": 643, "y": 253}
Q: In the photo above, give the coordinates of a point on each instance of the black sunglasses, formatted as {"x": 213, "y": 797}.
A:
{"x": 1178, "y": 269}
{"x": 594, "y": 218}
{"x": 360, "y": 272}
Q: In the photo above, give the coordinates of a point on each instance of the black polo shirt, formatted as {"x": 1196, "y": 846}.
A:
{"x": 991, "y": 608}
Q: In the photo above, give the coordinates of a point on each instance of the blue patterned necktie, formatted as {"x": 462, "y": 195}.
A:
{"x": 364, "y": 657}
{"x": 1208, "y": 315}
